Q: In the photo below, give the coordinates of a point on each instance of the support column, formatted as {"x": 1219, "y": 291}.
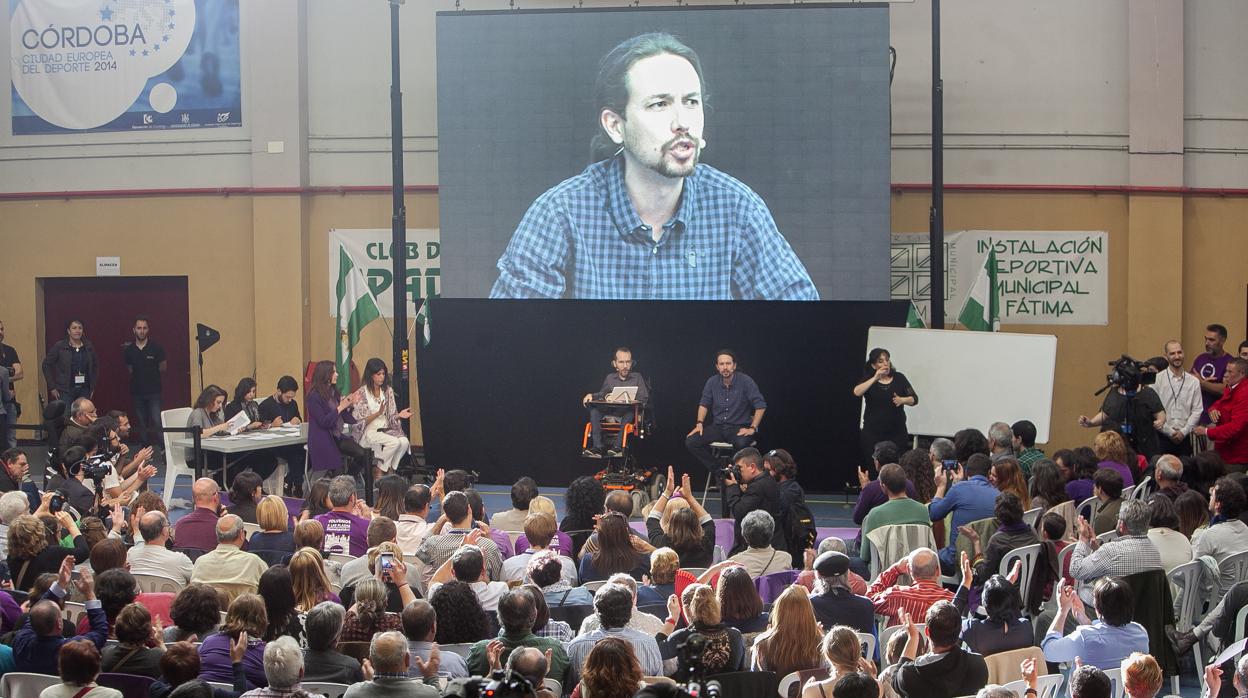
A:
{"x": 276, "y": 50}
{"x": 1155, "y": 222}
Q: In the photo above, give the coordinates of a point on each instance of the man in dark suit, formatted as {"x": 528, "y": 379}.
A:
{"x": 38, "y": 642}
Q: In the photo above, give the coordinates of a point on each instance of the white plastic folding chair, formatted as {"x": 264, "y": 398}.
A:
{"x": 175, "y": 457}
{"x": 1115, "y": 680}
{"x": 16, "y": 684}
{"x": 1089, "y": 505}
{"x": 74, "y": 611}
{"x": 1142, "y": 489}
{"x": 867, "y": 640}
{"x": 1127, "y": 493}
{"x": 340, "y": 558}
{"x": 1234, "y": 567}
{"x": 157, "y": 583}
{"x": 1030, "y": 555}
{"x": 1031, "y": 516}
{"x": 887, "y": 634}
{"x": 250, "y": 529}
{"x": 553, "y": 686}
{"x": 1190, "y": 608}
{"x": 1047, "y": 686}
{"x": 594, "y": 586}
{"x": 787, "y": 682}
{"x": 460, "y": 648}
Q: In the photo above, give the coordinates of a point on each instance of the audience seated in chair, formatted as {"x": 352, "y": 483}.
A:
{"x": 346, "y": 522}
{"x": 180, "y": 665}
{"x": 615, "y": 552}
{"x": 1005, "y": 628}
{"x": 228, "y": 567}
{"x": 1105, "y": 642}
{"x": 1012, "y": 533}
{"x": 889, "y": 598}
{"x": 1141, "y": 676}
{"x": 516, "y": 616}
{"x": 467, "y": 565}
{"x": 807, "y": 576}
{"x": 412, "y": 525}
{"x": 37, "y": 642}
{"x": 546, "y": 570}
{"x": 898, "y": 509}
{"x": 1226, "y": 534}
{"x": 724, "y": 650}
{"x": 149, "y": 555}
{"x": 322, "y": 661}
{"x": 513, "y": 519}
{"x": 833, "y": 601}
{"x": 613, "y": 604}
{"x": 661, "y": 582}
{"x": 283, "y": 669}
{"x": 685, "y": 527}
{"x": 739, "y": 603}
{"x": 381, "y": 529}
{"x": 461, "y": 618}
{"x": 539, "y": 531}
{"x": 449, "y": 533}
{"x": 617, "y": 501}
{"x": 792, "y": 639}
{"x": 759, "y": 557}
{"x": 1132, "y": 552}
{"x": 79, "y": 664}
{"x": 274, "y": 520}
{"x": 965, "y": 494}
{"x": 843, "y": 651}
{"x": 641, "y": 622}
{"x": 245, "y": 617}
{"x": 948, "y": 670}
{"x": 420, "y": 627}
{"x": 1107, "y": 488}
{"x": 196, "y": 612}
{"x": 131, "y": 655}
{"x": 611, "y": 670}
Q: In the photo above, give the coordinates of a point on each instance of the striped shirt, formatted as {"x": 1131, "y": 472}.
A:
{"x": 584, "y": 239}
{"x": 890, "y": 600}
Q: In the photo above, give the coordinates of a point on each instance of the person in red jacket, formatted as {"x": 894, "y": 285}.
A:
{"x": 1229, "y": 431}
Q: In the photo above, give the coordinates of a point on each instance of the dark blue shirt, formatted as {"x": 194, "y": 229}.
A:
{"x": 732, "y": 404}
{"x": 584, "y": 239}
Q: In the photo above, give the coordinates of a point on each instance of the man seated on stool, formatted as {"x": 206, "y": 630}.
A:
{"x": 735, "y": 406}
{"x": 624, "y": 413}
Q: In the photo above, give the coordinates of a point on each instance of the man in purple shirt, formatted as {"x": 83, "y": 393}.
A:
{"x": 198, "y": 529}
{"x": 1210, "y": 366}
{"x": 346, "y": 524}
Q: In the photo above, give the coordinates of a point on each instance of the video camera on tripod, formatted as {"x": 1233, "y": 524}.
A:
{"x": 1129, "y": 374}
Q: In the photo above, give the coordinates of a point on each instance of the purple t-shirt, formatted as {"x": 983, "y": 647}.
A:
{"x": 1210, "y": 369}
{"x": 1128, "y": 478}
{"x": 345, "y": 533}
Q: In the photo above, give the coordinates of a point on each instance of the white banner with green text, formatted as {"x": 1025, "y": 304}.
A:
{"x": 370, "y": 251}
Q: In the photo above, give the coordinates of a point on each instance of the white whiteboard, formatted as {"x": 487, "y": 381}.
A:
{"x": 972, "y": 379}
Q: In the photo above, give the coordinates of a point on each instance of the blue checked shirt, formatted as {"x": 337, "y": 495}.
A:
{"x": 583, "y": 239}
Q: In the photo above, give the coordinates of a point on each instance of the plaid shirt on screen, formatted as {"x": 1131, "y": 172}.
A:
{"x": 890, "y": 600}
{"x": 584, "y": 239}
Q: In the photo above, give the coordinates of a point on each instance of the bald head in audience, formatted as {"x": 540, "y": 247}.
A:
{"x": 530, "y": 663}
{"x": 388, "y": 653}
{"x": 206, "y": 493}
{"x": 230, "y": 530}
{"x": 45, "y": 619}
{"x": 924, "y": 564}
{"x": 619, "y": 501}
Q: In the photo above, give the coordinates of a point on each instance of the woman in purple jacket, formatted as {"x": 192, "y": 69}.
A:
{"x": 327, "y": 411}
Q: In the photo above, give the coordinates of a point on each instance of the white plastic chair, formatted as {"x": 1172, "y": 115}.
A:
{"x": 1107, "y": 537}
{"x": 250, "y": 529}
{"x": 460, "y": 648}
{"x": 1030, "y": 555}
{"x": 1142, "y": 489}
{"x": 1047, "y": 686}
{"x": 887, "y": 633}
{"x": 1234, "y": 566}
{"x": 157, "y": 583}
{"x": 175, "y": 457}
{"x": 17, "y": 684}
{"x": 1190, "y": 608}
{"x": 1031, "y": 516}
{"x": 1089, "y": 504}
{"x": 867, "y": 640}
{"x": 1115, "y": 680}
{"x": 553, "y": 686}
{"x": 221, "y": 685}
{"x": 329, "y": 690}
{"x": 594, "y": 586}
{"x": 787, "y": 682}
{"x": 1128, "y": 493}
{"x": 74, "y": 611}
{"x": 340, "y": 558}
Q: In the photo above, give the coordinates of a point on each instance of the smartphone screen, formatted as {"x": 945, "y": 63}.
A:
{"x": 387, "y": 560}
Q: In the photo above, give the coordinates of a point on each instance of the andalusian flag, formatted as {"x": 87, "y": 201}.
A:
{"x": 982, "y": 311}
{"x": 356, "y": 308}
{"x": 913, "y": 318}
{"x": 422, "y": 317}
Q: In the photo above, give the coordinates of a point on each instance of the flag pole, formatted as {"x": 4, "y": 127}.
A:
{"x": 398, "y": 222}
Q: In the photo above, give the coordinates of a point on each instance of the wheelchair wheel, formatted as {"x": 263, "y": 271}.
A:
{"x": 640, "y": 500}
{"x": 657, "y": 483}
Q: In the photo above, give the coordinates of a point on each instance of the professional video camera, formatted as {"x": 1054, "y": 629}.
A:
{"x": 1129, "y": 374}
{"x": 691, "y": 653}
{"x": 98, "y": 466}
{"x": 500, "y": 684}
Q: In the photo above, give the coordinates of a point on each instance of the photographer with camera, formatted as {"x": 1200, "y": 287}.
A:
{"x": 1131, "y": 408}
{"x": 748, "y": 487}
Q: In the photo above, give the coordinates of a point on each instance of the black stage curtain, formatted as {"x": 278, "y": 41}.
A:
{"x": 501, "y": 381}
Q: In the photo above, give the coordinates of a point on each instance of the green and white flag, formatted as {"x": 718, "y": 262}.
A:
{"x": 356, "y": 308}
{"x": 982, "y": 310}
{"x": 913, "y": 318}
{"x": 422, "y": 317}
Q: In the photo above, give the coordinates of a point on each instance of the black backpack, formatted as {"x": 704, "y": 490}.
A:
{"x": 799, "y": 527}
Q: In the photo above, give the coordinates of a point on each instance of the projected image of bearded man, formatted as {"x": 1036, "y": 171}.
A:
{"x": 647, "y": 221}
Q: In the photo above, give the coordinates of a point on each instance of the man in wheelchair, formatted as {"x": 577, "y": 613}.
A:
{"x": 622, "y": 396}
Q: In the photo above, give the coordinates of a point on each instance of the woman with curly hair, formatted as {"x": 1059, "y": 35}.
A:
{"x": 843, "y": 651}
{"x": 1048, "y": 488}
{"x": 1007, "y": 476}
{"x": 583, "y": 501}
{"x": 615, "y": 551}
{"x": 245, "y": 617}
{"x": 791, "y": 641}
{"x": 279, "y": 604}
{"x": 367, "y": 615}
{"x": 611, "y": 671}
{"x": 308, "y": 579}
{"x": 918, "y": 466}
{"x": 662, "y": 581}
{"x": 1113, "y": 452}
{"x": 687, "y": 529}
{"x": 196, "y": 611}
{"x": 460, "y": 616}
{"x": 390, "y": 491}
{"x": 32, "y": 548}
{"x": 739, "y": 602}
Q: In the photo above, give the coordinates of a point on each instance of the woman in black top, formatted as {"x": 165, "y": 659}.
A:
{"x": 275, "y": 534}
{"x": 886, "y": 393}
{"x": 687, "y": 529}
{"x": 724, "y": 650}
{"x": 245, "y": 494}
{"x": 131, "y": 655}
{"x": 739, "y": 602}
{"x": 245, "y": 401}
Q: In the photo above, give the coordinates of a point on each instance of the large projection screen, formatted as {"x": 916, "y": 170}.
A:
{"x": 797, "y": 110}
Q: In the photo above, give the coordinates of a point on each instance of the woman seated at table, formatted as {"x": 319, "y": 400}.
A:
{"x": 376, "y": 424}
{"x": 208, "y": 417}
{"x": 245, "y": 401}
{"x": 328, "y": 410}
{"x": 275, "y": 533}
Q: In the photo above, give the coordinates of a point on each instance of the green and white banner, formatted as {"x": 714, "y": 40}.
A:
{"x": 370, "y": 251}
{"x": 1042, "y": 277}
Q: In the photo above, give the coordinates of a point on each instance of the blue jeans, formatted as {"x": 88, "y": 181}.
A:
{"x": 147, "y": 418}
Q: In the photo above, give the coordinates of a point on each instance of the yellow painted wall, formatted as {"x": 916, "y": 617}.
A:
{"x": 274, "y": 311}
